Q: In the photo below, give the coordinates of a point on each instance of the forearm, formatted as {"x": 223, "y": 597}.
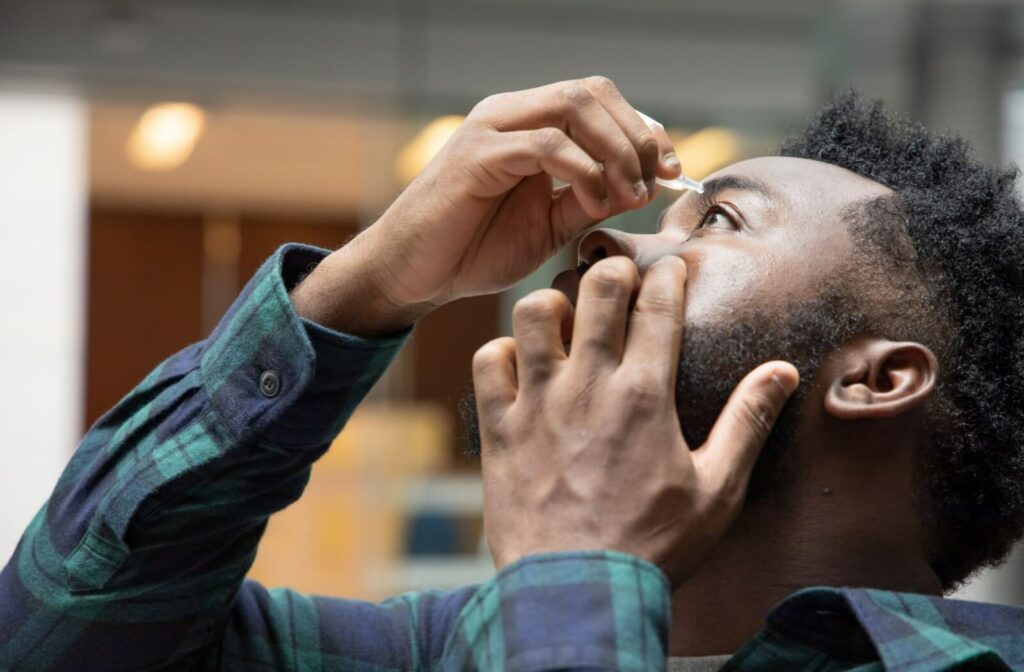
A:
{"x": 350, "y": 291}
{"x": 155, "y": 521}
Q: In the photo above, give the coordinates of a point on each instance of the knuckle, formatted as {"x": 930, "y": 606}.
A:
{"x": 576, "y": 95}
{"x": 612, "y": 274}
{"x": 625, "y": 151}
{"x": 548, "y": 140}
{"x": 756, "y": 413}
{"x": 540, "y": 306}
{"x": 491, "y": 102}
{"x": 487, "y": 356}
{"x": 594, "y": 173}
{"x": 601, "y": 84}
{"x": 647, "y": 147}
{"x": 644, "y": 393}
{"x": 729, "y": 495}
{"x": 658, "y": 303}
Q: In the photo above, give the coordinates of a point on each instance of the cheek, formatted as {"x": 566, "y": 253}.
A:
{"x": 722, "y": 284}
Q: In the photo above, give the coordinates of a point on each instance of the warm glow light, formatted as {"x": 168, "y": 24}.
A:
{"x": 165, "y": 136}
{"x": 706, "y": 150}
{"x": 415, "y": 156}
{"x": 701, "y": 152}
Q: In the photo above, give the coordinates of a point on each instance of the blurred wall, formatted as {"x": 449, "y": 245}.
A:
{"x": 42, "y": 279}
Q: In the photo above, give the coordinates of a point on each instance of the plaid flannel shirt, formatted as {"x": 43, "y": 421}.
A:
{"x": 138, "y": 559}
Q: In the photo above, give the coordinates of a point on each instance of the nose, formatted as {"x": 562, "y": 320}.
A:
{"x": 602, "y": 243}
{"x": 644, "y": 250}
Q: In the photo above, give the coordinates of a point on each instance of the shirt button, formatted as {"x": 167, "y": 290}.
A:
{"x": 270, "y": 383}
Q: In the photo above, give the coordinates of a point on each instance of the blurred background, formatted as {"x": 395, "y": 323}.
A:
{"x": 154, "y": 153}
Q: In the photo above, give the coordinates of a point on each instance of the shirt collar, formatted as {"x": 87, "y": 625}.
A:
{"x": 908, "y": 632}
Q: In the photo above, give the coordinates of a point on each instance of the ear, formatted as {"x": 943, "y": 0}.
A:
{"x": 877, "y": 378}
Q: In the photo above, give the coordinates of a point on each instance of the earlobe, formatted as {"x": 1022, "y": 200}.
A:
{"x": 878, "y": 378}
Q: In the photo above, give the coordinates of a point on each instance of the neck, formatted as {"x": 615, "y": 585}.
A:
{"x": 820, "y": 538}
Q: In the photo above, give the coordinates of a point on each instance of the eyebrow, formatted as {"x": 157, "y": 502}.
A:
{"x": 714, "y": 188}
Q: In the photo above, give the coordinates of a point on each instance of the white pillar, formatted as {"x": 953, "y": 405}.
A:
{"x": 43, "y": 187}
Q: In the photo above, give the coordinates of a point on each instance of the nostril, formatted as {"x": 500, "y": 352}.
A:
{"x": 604, "y": 243}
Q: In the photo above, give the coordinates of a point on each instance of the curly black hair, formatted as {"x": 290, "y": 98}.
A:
{"x": 952, "y": 239}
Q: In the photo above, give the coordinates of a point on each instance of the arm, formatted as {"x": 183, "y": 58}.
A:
{"x": 137, "y": 561}
{"x": 138, "y": 555}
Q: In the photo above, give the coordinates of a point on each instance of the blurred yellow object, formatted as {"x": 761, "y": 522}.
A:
{"x": 415, "y": 156}
{"x": 165, "y": 136}
{"x": 351, "y": 520}
{"x": 705, "y": 151}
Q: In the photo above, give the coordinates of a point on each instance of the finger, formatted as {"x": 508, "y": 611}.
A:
{"x": 668, "y": 162}
{"x": 591, "y": 125}
{"x": 656, "y": 325}
{"x": 549, "y": 150}
{"x": 599, "y": 330}
{"x": 494, "y": 375}
{"x": 573, "y": 107}
{"x": 537, "y": 321}
{"x": 641, "y": 137}
{"x": 568, "y": 215}
{"x": 731, "y": 450}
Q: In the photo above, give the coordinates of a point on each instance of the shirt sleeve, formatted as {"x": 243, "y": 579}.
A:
{"x": 595, "y": 610}
{"x": 137, "y": 558}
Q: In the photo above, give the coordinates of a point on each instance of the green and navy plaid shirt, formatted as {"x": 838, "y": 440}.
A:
{"x": 138, "y": 560}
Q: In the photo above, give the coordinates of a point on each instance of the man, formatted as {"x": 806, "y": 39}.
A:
{"x": 874, "y": 269}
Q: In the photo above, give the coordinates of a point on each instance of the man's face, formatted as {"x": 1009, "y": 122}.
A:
{"x": 765, "y": 232}
{"x": 767, "y": 249}
{"x": 768, "y": 252}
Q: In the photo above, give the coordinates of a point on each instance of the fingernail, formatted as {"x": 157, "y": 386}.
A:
{"x": 605, "y": 205}
{"x": 787, "y": 383}
{"x": 640, "y": 190}
{"x": 671, "y": 160}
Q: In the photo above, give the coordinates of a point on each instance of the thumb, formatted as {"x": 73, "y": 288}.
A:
{"x": 728, "y": 456}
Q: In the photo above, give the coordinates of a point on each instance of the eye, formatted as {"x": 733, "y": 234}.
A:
{"x": 715, "y": 218}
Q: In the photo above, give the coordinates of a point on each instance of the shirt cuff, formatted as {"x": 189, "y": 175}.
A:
{"x": 584, "y": 610}
{"x": 274, "y": 375}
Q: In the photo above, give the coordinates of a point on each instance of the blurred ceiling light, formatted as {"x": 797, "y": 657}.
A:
{"x": 706, "y": 150}
{"x": 415, "y": 156}
{"x": 165, "y": 136}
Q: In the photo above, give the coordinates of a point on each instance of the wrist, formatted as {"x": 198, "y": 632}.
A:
{"x": 346, "y": 292}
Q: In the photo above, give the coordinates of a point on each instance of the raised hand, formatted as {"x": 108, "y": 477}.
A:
{"x": 583, "y": 450}
{"x": 483, "y": 214}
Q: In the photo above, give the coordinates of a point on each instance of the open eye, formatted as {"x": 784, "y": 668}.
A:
{"x": 715, "y": 218}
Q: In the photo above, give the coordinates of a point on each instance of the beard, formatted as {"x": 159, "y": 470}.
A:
{"x": 714, "y": 359}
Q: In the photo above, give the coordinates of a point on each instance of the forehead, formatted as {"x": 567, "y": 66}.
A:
{"x": 802, "y": 184}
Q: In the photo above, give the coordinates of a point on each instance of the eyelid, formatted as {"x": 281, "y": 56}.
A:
{"x": 704, "y": 206}
{"x": 718, "y": 208}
